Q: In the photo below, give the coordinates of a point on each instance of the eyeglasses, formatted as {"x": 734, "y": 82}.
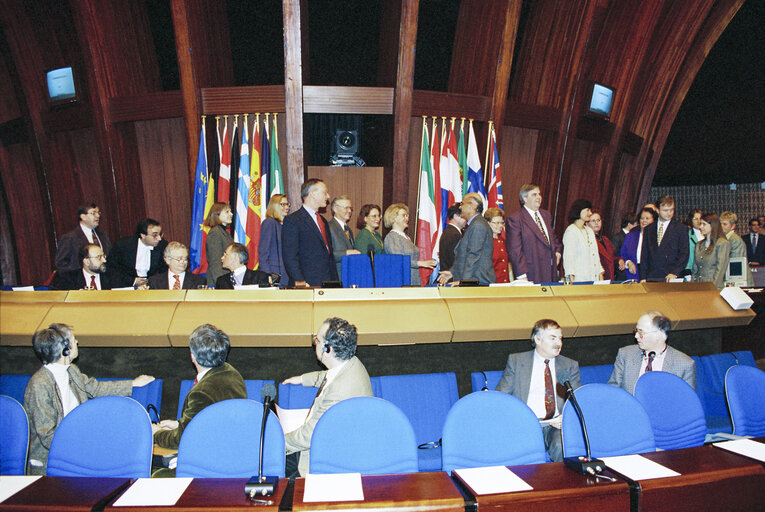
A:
{"x": 155, "y": 235}
{"x": 496, "y": 222}
{"x": 641, "y": 332}
{"x": 99, "y": 257}
{"x": 182, "y": 260}
{"x": 284, "y": 204}
{"x": 94, "y": 212}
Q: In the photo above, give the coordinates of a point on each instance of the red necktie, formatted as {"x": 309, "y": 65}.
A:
{"x": 322, "y": 229}
{"x": 177, "y": 283}
{"x": 549, "y": 394}
{"x": 93, "y": 285}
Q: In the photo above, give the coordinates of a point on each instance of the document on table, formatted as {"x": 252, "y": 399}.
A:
{"x": 10, "y": 485}
{"x": 291, "y": 419}
{"x": 158, "y": 492}
{"x": 637, "y": 467}
{"x": 492, "y": 480}
{"x": 333, "y": 487}
{"x": 745, "y": 447}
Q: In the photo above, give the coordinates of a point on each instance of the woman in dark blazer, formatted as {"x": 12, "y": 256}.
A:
{"x": 218, "y": 238}
{"x": 270, "y": 245}
{"x": 632, "y": 240}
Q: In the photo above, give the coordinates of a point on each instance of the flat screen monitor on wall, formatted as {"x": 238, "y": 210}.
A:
{"x": 61, "y": 86}
{"x": 601, "y": 101}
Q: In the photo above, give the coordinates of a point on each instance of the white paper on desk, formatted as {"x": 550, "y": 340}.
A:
{"x": 291, "y": 419}
{"x": 10, "y": 485}
{"x": 124, "y": 288}
{"x": 156, "y": 492}
{"x": 23, "y": 288}
{"x": 492, "y": 480}
{"x": 637, "y": 467}
{"x": 745, "y": 447}
{"x": 333, "y": 487}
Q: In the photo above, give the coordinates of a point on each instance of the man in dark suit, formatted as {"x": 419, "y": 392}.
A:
{"x": 90, "y": 276}
{"x": 340, "y": 231}
{"x": 531, "y": 243}
{"x": 451, "y": 236}
{"x": 473, "y": 254}
{"x": 629, "y": 222}
{"x": 306, "y": 243}
{"x": 755, "y": 244}
{"x": 138, "y": 257}
{"x": 176, "y": 278}
{"x": 537, "y": 378}
{"x": 665, "y": 246}
{"x": 234, "y": 260}
{"x": 87, "y": 232}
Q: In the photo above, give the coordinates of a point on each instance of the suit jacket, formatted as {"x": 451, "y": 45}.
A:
{"x": 75, "y": 280}
{"x": 629, "y": 253}
{"x": 711, "y": 267}
{"x": 474, "y": 252}
{"x": 217, "y": 240}
{"x": 270, "y": 248}
{"x": 395, "y": 243}
{"x": 630, "y": 358}
{"x": 516, "y": 379}
{"x": 351, "y": 381}
{"x": 340, "y": 242}
{"x": 250, "y": 277}
{"x": 755, "y": 254}
{"x": 218, "y": 384}
{"x": 305, "y": 255}
{"x": 120, "y": 263}
{"x": 529, "y": 253}
{"x": 190, "y": 281}
{"x": 671, "y": 257}
{"x": 70, "y": 245}
{"x": 42, "y": 401}
{"x": 447, "y": 245}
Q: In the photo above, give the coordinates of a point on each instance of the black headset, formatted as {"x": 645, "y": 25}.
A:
{"x": 65, "y": 348}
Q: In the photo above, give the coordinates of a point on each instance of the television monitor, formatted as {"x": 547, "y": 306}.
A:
{"x": 601, "y": 101}
{"x": 736, "y": 271}
{"x": 61, "y": 85}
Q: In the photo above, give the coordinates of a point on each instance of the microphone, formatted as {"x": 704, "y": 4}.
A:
{"x": 261, "y": 485}
{"x": 371, "y": 253}
{"x": 584, "y": 465}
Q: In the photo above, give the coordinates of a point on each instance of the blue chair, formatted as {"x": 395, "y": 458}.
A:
{"x": 366, "y": 435}
{"x": 616, "y": 423}
{"x": 254, "y": 386}
{"x": 487, "y": 379}
{"x": 109, "y": 436}
{"x": 745, "y": 392}
{"x": 710, "y": 386}
{"x": 597, "y": 373}
{"x": 295, "y": 396}
{"x": 489, "y": 428}
{"x": 426, "y": 400}
{"x": 222, "y": 441}
{"x": 391, "y": 271}
{"x": 14, "y": 386}
{"x": 150, "y": 396}
{"x": 674, "y": 409}
{"x": 14, "y": 437}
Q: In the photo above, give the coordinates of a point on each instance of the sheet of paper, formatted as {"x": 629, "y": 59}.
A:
{"x": 291, "y": 419}
{"x": 23, "y": 288}
{"x": 637, "y": 467}
{"x": 745, "y": 447}
{"x": 604, "y": 281}
{"x": 338, "y": 487}
{"x": 158, "y": 492}
{"x": 10, "y": 485}
{"x": 522, "y": 282}
{"x": 492, "y": 480}
{"x": 124, "y": 288}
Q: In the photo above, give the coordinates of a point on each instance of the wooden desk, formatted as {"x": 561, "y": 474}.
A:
{"x": 213, "y": 494}
{"x": 711, "y": 479}
{"x": 558, "y": 488}
{"x": 415, "y": 491}
{"x": 65, "y": 493}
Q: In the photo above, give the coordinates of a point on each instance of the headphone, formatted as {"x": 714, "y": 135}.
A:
{"x": 326, "y": 347}
{"x": 66, "y": 349}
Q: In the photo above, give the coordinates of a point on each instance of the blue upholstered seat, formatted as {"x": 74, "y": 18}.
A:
{"x": 295, "y": 396}
{"x": 391, "y": 271}
{"x": 14, "y": 437}
{"x": 745, "y": 392}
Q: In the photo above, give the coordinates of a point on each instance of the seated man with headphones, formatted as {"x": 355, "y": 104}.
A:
{"x": 345, "y": 377}
{"x": 58, "y": 387}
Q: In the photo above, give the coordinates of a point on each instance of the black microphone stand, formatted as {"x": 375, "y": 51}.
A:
{"x": 584, "y": 465}
{"x": 261, "y": 485}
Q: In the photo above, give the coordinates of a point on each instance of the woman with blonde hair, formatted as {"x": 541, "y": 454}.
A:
{"x": 218, "y": 238}
{"x": 396, "y": 241}
{"x": 270, "y": 245}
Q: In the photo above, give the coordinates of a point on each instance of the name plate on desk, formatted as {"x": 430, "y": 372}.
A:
{"x": 337, "y": 487}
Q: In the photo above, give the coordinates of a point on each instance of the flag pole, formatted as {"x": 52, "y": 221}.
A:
{"x": 419, "y": 175}
{"x": 488, "y": 146}
{"x": 276, "y": 143}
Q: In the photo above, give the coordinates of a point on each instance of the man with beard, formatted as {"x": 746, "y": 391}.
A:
{"x": 91, "y": 276}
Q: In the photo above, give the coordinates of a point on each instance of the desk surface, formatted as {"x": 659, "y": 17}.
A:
{"x": 65, "y": 493}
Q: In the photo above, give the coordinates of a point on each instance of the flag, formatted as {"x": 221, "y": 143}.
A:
{"x": 462, "y": 159}
{"x": 435, "y": 165}
{"x": 495, "y": 176}
{"x": 253, "y": 201}
{"x": 265, "y": 166}
{"x": 276, "y": 181}
{"x": 451, "y": 182}
{"x": 234, "y": 182}
{"x": 475, "y": 173}
{"x": 242, "y": 190}
{"x": 224, "y": 177}
{"x": 198, "y": 209}
{"x": 426, "y": 215}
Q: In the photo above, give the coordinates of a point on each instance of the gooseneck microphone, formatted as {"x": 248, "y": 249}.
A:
{"x": 261, "y": 485}
{"x": 584, "y": 465}
{"x": 371, "y": 253}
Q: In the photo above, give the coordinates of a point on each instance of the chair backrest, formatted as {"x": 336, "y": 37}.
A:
{"x": 674, "y": 409}
{"x": 366, "y": 435}
{"x": 425, "y": 399}
{"x": 148, "y": 395}
{"x": 486, "y": 379}
{"x": 745, "y": 392}
{"x": 490, "y": 428}
{"x": 14, "y": 437}
{"x": 14, "y": 386}
{"x": 391, "y": 271}
{"x": 710, "y": 378}
{"x": 295, "y": 396}
{"x": 597, "y": 373}
{"x": 223, "y": 441}
{"x": 616, "y": 423}
{"x": 254, "y": 386}
{"x": 109, "y": 436}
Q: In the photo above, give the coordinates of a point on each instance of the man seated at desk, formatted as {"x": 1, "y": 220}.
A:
{"x": 90, "y": 276}
{"x": 234, "y": 260}
{"x": 177, "y": 277}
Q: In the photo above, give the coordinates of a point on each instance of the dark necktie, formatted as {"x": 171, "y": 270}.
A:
{"x": 649, "y": 366}
{"x": 233, "y": 279}
{"x": 97, "y": 240}
{"x": 348, "y": 233}
{"x": 93, "y": 285}
{"x": 549, "y": 393}
{"x": 541, "y": 228}
{"x": 319, "y": 220}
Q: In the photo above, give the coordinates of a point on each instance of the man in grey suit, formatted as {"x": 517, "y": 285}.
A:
{"x": 537, "y": 376}
{"x": 651, "y": 354}
{"x": 473, "y": 254}
{"x": 340, "y": 231}
{"x": 345, "y": 377}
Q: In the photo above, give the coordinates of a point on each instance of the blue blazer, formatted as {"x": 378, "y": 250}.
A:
{"x": 629, "y": 252}
{"x": 270, "y": 248}
{"x": 304, "y": 253}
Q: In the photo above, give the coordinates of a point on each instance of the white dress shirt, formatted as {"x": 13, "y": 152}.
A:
{"x": 536, "y": 399}
{"x": 143, "y": 258}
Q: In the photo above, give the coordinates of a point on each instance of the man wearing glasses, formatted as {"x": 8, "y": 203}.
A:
{"x": 87, "y": 232}
{"x": 651, "y": 354}
{"x": 340, "y": 230}
{"x": 176, "y": 277}
{"x": 90, "y": 275}
{"x": 134, "y": 259}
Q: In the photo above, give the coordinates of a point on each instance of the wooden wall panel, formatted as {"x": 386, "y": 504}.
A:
{"x": 516, "y": 155}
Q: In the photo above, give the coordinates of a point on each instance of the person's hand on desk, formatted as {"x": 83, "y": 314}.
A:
{"x": 163, "y": 425}
{"x": 294, "y": 380}
{"x": 142, "y": 380}
{"x": 444, "y": 277}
